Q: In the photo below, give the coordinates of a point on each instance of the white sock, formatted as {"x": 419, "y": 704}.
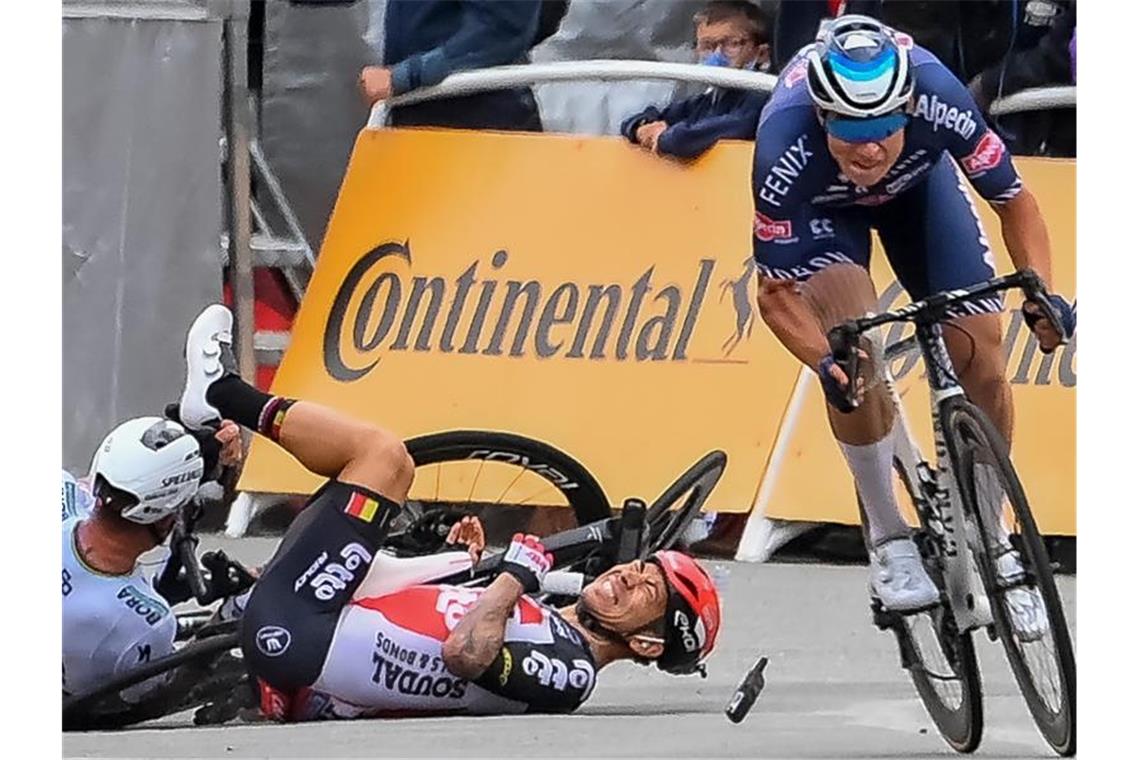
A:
{"x": 873, "y": 468}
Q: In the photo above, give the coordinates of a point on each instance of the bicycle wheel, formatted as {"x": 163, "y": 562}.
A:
{"x": 493, "y": 468}
{"x": 668, "y": 516}
{"x": 84, "y": 711}
{"x": 939, "y": 659}
{"x": 1040, "y": 653}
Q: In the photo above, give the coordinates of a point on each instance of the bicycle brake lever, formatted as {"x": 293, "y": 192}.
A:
{"x": 843, "y": 340}
{"x": 1034, "y": 291}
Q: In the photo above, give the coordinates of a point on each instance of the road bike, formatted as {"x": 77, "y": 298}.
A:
{"x": 977, "y": 536}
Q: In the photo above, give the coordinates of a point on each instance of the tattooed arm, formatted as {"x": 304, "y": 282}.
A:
{"x": 473, "y": 645}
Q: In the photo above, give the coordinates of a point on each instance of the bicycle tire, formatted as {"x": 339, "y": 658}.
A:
{"x": 580, "y": 488}
{"x": 664, "y": 526}
{"x": 970, "y": 435}
{"x": 960, "y": 726}
{"x": 74, "y": 707}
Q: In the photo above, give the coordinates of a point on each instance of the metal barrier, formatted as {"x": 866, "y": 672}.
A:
{"x": 1036, "y": 99}
{"x": 503, "y": 77}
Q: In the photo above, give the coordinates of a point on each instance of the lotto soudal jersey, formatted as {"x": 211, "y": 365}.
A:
{"x": 792, "y": 167}
{"x": 111, "y": 623}
{"x": 386, "y": 659}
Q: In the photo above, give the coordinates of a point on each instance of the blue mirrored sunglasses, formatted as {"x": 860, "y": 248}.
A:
{"x": 865, "y": 130}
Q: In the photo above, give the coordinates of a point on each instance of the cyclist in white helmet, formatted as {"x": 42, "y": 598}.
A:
{"x": 141, "y": 474}
{"x": 867, "y": 131}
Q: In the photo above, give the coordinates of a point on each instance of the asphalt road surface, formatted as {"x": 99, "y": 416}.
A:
{"x": 834, "y": 690}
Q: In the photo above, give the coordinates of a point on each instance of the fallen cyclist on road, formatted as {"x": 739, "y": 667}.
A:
{"x": 115, "y": 615}
{"x": 117, "y": 596}
{"x": 326, "y": 635}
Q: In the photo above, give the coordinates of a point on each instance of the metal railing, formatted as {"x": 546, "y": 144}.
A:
{"x": 504, "y": 77}
{"x": 1036, "y": 99}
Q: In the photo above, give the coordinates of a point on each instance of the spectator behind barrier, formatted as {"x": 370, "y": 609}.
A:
{"x": 426, "y": 40}
{"x": 1049, "y": 62}
{"x": 730, "y": 33}
{"x": 798, "y": 22}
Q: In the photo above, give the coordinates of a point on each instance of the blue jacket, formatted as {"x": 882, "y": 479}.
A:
{"x": 696, "y": 123}
{"x": 425, "y": 40}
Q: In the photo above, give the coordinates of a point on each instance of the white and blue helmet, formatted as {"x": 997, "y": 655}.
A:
{"x": 153, "y": 461}
{"x": 857, "y": 68}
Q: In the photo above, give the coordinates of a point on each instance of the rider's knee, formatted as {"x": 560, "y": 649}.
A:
{"x": 839, "y": 292}
{"x": 975, "y": 345}
{"x": 386, "y": 453}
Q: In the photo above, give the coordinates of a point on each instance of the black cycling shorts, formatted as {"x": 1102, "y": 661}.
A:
{"x": 292, "y": 614}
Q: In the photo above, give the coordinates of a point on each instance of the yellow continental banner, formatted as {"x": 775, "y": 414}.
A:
{"x": 581, "y": 292}
{"x": 1044, "y": 388}
{"x": 574, "y": 290}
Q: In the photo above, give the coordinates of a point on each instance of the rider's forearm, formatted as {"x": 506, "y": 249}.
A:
{"x": 473, "y": 645}
{"x": 792, "y": 322}
{"x": 1026, "y": 236}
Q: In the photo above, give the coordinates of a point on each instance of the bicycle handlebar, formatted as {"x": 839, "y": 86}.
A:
{"x": 185, "y": 544}
{"x": 843, "y": 339}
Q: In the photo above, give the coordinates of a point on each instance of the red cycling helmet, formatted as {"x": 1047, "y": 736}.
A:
{"x": 692, "y": 613}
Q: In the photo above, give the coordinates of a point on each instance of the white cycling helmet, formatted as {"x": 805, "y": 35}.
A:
{"x": 153, "y": 460}
{"x": 857, "y": 68}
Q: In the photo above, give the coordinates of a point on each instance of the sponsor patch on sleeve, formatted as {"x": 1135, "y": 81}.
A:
{"x": 986, "y": 155}
{"x": 768, "y": 230}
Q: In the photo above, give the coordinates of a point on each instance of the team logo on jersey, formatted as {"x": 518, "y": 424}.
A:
{"x": 335, "y": 576}
{"x": 785, "y": 171}
{"x": 986, "y": 155}
{"x": 767, "y": 229}
{"x": 272, "y": 640}
{"x": 821, "y": 229}
{"x": 143, "y": 605}
{"x": 554, "y": 673}
{"x": 945, "y": 116}
{"x": 796, "y": 74}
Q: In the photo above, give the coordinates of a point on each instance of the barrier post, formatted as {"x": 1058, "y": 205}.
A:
{"x": 237, "y": 165}
{"x": 756, "y": 543}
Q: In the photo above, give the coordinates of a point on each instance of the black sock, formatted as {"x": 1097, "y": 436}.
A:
{"x": 239, "y": 401}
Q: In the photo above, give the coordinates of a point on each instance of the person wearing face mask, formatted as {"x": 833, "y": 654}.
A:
{"x": 729, "y": 33}
{"x": 866, "y": 130}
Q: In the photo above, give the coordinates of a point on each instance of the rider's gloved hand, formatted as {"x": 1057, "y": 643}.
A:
{"x": 1047, "y": 335}
{"x": 527, "y": 560}
{"x": 834, "y": 381}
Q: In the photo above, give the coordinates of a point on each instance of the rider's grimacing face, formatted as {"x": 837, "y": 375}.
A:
{"x": 865, "y": 163}
{"x": 628, "y": 597}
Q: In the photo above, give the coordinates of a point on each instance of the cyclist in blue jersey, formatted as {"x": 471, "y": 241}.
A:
{"x": 866, "y": 130}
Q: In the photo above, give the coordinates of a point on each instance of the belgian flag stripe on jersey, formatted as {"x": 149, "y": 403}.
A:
{"x": 362, "y": 507}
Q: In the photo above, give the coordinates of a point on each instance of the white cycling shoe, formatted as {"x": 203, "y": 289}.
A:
{"x": 1024, "y": 605}
{"x": 207, "y": 345}
{"x": 898, "y": 579}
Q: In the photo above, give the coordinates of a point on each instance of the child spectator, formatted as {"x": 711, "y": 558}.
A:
{"x": 731, "y": 33}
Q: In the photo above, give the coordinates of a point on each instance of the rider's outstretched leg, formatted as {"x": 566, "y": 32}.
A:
{"x": 867, "y": 439}
{"x": 292, "y": 613}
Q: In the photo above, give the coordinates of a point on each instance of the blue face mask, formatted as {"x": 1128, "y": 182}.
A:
{"x": 716, "y": 58}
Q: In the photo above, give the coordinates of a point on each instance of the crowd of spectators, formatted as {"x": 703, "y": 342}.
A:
{"x": 997, "y": 47}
